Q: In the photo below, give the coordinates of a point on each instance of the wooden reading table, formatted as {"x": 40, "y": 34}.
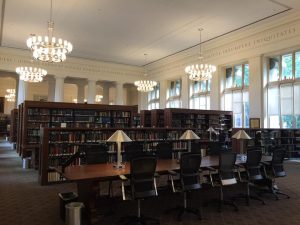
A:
{"x": 88, "y": 176}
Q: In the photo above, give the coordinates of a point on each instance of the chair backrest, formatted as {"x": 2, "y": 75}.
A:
{"x": 132, "y": 150}
{"x": 95, "y": 154}
{"x": 253, "y": 164}
{"x": 142, "y": 180}
{"x": 226, "y": 168}
{"x": 196, "y": 147}
{"x": 215, "y": 148}
{"x": 164, "y": 150}
{"x": 189, "y": 171}
{"x": 277, "y": 162}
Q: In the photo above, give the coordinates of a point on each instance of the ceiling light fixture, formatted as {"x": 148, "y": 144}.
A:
{"x": 31, "y": 74}
{"x": 201, "y": 71}
{"x": 11, "y": 96}
{"x": 48, "y": 48}
{"x": 98, "y": 98}
{"x": 145, "y": 85}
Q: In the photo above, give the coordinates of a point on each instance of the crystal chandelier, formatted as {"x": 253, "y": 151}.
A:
{"x": 201, "y": 71}
{"x": 98, "y": 98}
{"x": 145, "y": 85}
{"x": 49, "y": 48}
{"x": 11, "y": 95}
{"x": 31, "y": 74}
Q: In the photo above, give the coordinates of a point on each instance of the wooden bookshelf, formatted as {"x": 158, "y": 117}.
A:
{"x": 13, "y": 126}
{"x": 268, "y": 137}
{"x": 200, "y": 120}
{"x": 158, "y": 118}
{"x": 58, "y": 144}
{"x": 4, "y": 122}
{"x": 145, "y": 118}
{"x": 34, "y": 115}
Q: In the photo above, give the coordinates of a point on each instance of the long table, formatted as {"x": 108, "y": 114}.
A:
{"x": 88, "y": 176}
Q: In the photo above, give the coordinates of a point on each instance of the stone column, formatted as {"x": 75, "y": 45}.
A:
{"x": 91, "y": 91}
{"x": 119, "y": 93}
{"x": 80, "y": 91}
{"x": 255, "y": 88}
{"x": 185, "y": 90}
{"x": 163, "y": 85}
{"x": 215, "y": 90}
{"x": 22, "y": 91}
{"x": 105, "y": 93}
{"x": 59, "y": 89}
{"x": 51, "y": 89}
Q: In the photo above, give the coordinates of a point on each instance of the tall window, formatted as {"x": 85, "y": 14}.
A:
{"x": 153, "y": 98}
{"x": 200, "y": 95}
{"x": 236, "y": 94}
{"x": 283, "y": 91}
{"x": 173, "y": 94}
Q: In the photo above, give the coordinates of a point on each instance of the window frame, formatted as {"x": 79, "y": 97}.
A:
{"x": 231, "y": 90}
{"x": 279, "y": 83}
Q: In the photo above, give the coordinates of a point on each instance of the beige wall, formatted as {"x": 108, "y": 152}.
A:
{"x": 70, "y": 92}
{"x": 7, "y": 83}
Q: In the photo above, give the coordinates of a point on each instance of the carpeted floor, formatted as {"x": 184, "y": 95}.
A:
{"x": 24, "y": 202}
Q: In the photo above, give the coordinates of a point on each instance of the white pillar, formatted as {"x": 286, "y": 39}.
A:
{"x": 185, "y": 90}
{"x": 22, "y": 91}
{"x": 119, "y": 93}
{"x": 163, "y": 94}
{"x": 142, "y": 101}
{"x": 105, "y": 93}
{"x": 51, "y": 89}
{"x": 215, "y": 90}
{"x": 80, "y": 92}
{"x": 59, "y": 89}
{"x": 91, "y": 91}
{"x": 255, "y": 87}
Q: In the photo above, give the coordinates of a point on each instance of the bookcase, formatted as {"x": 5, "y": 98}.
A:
{"x": 4, "y": 121}
{"x": 34, "y": 115}
{"x": 200, "y": 120}
{"x": 158, "y": 118}
{"x": 13, "y": 126}
{"x": 145, "y": 118}
{"x": 268, "y": 137}
{"x": 58, "y": 144}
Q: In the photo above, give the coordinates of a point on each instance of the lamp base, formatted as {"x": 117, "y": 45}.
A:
{"x": 119, "y": 166}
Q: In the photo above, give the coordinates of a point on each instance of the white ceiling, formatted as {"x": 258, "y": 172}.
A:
{"x": 123, "y": 30}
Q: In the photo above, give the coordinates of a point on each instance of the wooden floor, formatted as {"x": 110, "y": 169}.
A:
{"x": 24, "y": 202}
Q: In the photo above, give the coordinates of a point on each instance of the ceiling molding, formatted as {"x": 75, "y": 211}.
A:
{"x": 74, "y": 67}
{"x": 235, "y": 47}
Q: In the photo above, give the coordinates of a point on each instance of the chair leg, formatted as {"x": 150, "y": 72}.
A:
{"x": 185, "y": 209}
{"x": 281, "y": 193}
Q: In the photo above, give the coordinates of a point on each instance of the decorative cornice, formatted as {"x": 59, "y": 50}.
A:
{"x": 260, "y": 39}
{"x": 73, "y": 67}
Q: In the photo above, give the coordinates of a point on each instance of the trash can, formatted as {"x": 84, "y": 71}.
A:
{"x": 74, "y": 213}
{"x": 26, "y": 163}
{"x": 65, "y": 198}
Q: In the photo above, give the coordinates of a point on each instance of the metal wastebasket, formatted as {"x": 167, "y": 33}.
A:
{"x": 26, "y": 163}
{"x": 74, "y": 213}
{"x": 65, "y": 198}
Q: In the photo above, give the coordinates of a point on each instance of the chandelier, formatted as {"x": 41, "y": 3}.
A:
{"x": 201, "y": 71}
{"x": 11, "y": 95}
{"x": 49, "y": 48}
{"x": 145, "y": 85}
{"x": 98, "y": 98}
{"x": 31, "y": 74}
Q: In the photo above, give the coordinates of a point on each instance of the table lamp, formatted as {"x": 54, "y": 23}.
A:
{"x": 211, "y": 130}
{"x": 119, "y": 136}
{"x": 189, "y": 135}
{"x": 241, "y": 135}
